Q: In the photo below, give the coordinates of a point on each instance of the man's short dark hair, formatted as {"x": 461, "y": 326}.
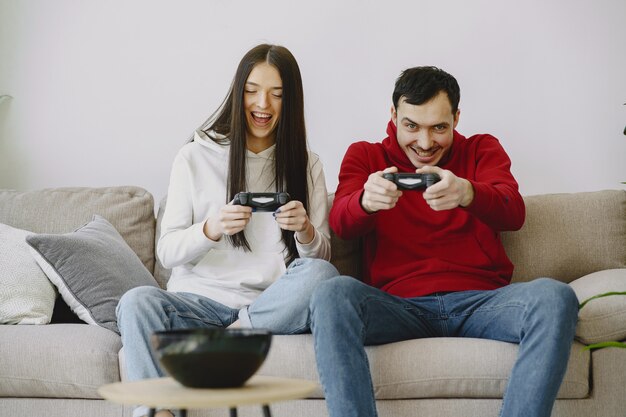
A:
{"x": 418, "y": 85}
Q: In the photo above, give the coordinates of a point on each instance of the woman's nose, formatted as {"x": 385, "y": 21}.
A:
{"x": 263, "y": 101}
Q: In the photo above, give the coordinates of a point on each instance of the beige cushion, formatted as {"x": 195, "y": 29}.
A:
{"x": 602, "y": 319}
{"x": 428, "y": 368}
{"x": 61, "y": 210}
{"x": 57, "y": 360}
{"x": 566, "y": 236}
{"x": 346, "y": 254}
{"x": 26, "y": 294}
{"x": 161, "y": 274}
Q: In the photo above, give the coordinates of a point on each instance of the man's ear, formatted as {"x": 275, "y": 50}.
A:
{"x": 456, "y": 118}
{"x": 394, "y": 115}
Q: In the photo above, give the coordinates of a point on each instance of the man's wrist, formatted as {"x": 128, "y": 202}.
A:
{"x": 468, "y": 195}
{"x": 364, "y": 205}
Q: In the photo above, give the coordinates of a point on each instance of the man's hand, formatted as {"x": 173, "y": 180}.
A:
{"x": 228, "y": 221}
{"x": 379, "y": 193}
{"x": 450, "y": 192}
{"x": 292, "y": 216}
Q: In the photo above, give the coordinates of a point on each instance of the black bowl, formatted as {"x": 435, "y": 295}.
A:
{"x": 212, "y": 358}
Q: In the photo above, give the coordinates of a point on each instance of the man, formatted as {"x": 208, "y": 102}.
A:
{"x": 433, "y": 261}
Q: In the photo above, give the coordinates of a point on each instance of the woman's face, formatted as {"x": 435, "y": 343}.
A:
{"x": 262, "y": 103}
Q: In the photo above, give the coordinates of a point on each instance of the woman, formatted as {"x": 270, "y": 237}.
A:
{"x": 229, "y": 264}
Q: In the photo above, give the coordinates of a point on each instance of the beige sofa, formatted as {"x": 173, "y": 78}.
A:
{"x": 56, "y": 369}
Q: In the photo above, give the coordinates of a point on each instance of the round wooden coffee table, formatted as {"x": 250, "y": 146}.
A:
{"x": 167, "y": 393}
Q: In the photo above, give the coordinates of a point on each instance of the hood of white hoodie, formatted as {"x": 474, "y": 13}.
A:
{"x": 205, "y": 140}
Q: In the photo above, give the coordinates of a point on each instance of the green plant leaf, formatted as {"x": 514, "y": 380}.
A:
{"x": 606, "y": 294}
{"x": 605, "y": 344}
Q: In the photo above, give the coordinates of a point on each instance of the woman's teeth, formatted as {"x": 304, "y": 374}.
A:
{"x": 261, "y": 117}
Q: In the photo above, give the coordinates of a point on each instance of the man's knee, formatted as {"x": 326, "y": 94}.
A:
{"x": 556, "y": 298}
{"x": 334, "y": 292}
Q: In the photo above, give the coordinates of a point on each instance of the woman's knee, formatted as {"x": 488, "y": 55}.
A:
{"x": 139, "y": 299}
{"x": 317, "y": 267}
{"x": 311, "y": 272}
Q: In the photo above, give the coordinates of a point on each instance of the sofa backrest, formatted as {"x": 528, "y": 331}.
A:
{"x": 565, "y": 236}
{"x": 60, "y": 210}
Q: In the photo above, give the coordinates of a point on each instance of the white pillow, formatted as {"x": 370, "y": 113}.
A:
{"x": 26, "y": 294}
{"x": 601, "y": 319}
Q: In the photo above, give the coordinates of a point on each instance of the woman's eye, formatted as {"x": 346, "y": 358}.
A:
{"x": 278, "y": 95}
{"x": 250, "y": 91}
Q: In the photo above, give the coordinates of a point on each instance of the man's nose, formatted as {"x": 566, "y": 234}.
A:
{"x": 424, "y": 140}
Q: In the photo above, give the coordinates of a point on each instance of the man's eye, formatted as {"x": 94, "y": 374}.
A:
{"x": 411, "y": 126}
{"x": 440, "y": 127}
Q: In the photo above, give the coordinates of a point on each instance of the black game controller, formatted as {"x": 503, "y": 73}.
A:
{"x": 411, "y": 181}
{"x": 261, "y": 201}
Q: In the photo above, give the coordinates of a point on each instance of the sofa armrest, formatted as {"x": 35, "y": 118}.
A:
{"x": 602, "y": 319}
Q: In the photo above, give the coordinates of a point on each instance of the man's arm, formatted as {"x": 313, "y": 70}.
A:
{"x": 492, "y": 195}
{"x": 360, "y": 194}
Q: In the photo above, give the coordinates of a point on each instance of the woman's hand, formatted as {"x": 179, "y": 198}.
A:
{"x": 228, "y": 221}
{"x": 292, "y": 216}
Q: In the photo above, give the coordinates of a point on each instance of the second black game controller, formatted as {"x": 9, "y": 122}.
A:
{"x": 261, "y": 201}
{"x": 411, "y": 181}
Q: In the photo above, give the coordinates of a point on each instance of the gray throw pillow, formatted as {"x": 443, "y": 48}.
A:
{"x": 92, "y": 268}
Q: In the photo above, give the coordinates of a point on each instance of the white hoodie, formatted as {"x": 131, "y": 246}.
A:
{"x": 215, "y": 269}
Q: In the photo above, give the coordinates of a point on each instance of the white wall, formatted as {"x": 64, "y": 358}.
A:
{"x": 104, "y": 93}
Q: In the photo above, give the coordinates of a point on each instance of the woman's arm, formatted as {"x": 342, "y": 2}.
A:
{"x": 181, "y": 240}
{"x": 319, "y": 246}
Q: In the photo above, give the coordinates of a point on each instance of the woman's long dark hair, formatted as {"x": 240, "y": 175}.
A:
{"x": 290, "y": 155}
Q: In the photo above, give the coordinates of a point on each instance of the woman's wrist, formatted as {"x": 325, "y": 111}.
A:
{"x": 306, "y": 236}
{"x": 208, "y": 233}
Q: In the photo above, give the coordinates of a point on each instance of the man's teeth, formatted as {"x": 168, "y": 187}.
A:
{"x": 424, "y": 153}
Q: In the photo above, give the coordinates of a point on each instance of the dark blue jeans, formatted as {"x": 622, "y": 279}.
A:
{"x": 347, "y": 315}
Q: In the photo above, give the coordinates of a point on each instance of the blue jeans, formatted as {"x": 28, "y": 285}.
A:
{"x": 283, "y": 308}
{"x": 347, "y": 315}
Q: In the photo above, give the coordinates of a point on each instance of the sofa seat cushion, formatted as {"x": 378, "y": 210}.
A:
{"x": 57, "y": 360}
{"x": 428, "y": 368}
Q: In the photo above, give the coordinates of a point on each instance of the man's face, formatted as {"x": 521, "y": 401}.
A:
{"x": 425, "y": 131}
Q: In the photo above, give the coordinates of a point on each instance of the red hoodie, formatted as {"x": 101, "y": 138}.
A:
{"x": 412, "y": 250}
